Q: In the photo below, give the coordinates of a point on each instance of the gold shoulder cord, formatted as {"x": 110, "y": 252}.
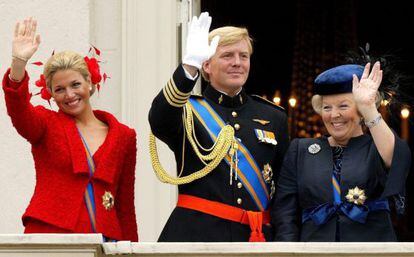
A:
{"x": 225, "y": 142}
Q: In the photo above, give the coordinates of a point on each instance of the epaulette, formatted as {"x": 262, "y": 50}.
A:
{"x": 263, "y": 100}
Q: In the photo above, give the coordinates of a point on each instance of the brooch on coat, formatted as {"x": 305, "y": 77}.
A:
{"x": 356, "y": 196}
{"x": 108, "y": 200}
{"x": 314, "y": 148}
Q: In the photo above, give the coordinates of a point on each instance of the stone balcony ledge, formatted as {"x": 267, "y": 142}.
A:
{"x": 88, "y": 245}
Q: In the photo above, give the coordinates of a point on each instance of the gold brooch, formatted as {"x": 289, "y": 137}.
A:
{"x": 108, "y": 200}
{"x": 356, "y": 196}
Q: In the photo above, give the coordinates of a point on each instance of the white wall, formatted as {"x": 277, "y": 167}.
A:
{"x": 138, "y": 42}
{"x": 149, "y": 58}
{"x": 63, "y": 24}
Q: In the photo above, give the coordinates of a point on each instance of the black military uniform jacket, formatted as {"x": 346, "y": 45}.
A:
{"x": 165, "y": 118}
{"x": 305, "y": 182}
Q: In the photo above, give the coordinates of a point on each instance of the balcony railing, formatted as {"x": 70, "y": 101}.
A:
{"x": 91, "y": 245}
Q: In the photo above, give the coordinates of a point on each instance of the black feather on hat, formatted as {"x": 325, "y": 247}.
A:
{"x": 395, "y": 86}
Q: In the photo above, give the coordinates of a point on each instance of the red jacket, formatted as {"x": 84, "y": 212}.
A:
{"x": 62, "y": 169}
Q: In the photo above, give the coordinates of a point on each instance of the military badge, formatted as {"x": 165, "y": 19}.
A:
{"x": 356, "y": 196}
{"x": 314, "y": 148}
{"x": 267, "y": 173}
{"x": 265, "y": 136}
{"x": 220, "y": 100}
{"x": 108, "y": 200}
{"x": 263, "y": 122}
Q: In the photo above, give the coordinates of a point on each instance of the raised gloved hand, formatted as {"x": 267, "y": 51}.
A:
{"x": 197, "y": 49}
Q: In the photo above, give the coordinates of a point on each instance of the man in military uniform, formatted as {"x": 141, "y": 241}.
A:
{"x": 228, "y": 146}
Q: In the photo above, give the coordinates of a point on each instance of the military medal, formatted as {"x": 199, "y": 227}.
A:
{"x": 267, "y": 173}
{"x": 108, "y": 200}
{"x": 314, "y": 148}
{"x": 356, "y": 196}
{"x": 265, "y": 136}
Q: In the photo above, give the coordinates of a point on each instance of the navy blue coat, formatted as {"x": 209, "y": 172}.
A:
{"x": 305, "y": 182}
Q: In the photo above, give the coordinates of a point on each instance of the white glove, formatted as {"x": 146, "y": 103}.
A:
{"x": 197, "y": 49}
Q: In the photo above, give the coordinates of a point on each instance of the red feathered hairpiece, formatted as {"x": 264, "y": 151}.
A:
{"x": 93, "y": 67}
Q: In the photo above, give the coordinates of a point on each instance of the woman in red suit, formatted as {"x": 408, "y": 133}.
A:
{"x": 84, "y": 159}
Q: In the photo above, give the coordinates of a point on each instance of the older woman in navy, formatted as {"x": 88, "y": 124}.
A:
{"x": 339, "y": 187}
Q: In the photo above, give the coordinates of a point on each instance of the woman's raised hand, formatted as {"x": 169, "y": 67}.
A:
{"x": 25, "y": 44}
{"x": 365, "y": 90}
{"x": 25, "y": 40}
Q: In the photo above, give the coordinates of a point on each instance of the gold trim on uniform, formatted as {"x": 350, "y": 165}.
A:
{"x": 168, "y": 98}
{"x": 108, "y": 200}
{"x": 174, "y": 96}
{"x": 176, "y": 92}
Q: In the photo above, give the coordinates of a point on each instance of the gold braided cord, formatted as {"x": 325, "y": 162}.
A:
{"x": 163, "y": 175}
{"x": 214, "y": 150}
{"x": 219, "y": 150}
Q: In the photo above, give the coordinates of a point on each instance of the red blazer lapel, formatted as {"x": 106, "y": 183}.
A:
{"x": 77, "y": 150}
{"x": 111, "y": 158}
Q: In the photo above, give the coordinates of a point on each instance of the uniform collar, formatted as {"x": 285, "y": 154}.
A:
{"x": 222, "y": 99}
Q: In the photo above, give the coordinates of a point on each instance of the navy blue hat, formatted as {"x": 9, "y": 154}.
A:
{"x": 337, "y": 80}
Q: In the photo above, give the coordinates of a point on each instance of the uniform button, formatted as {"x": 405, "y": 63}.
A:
{"x": 234, "y": 114}
{"x": 236, "y": 126}
{"x": 239, "y": 201}
{"x": 239, "y": 185}
{"x": 238, "y": 139}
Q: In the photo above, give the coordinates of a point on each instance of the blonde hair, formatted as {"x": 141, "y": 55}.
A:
{"x": 317, "y": 102}
{"x": 229, "y": 35}
{"x": 66, "y": 60}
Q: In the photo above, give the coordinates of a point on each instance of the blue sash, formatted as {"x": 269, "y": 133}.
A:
{"x": 359, "y": 213}
{"x": 248, "y": 170}
{"x": 89, "y": 195}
